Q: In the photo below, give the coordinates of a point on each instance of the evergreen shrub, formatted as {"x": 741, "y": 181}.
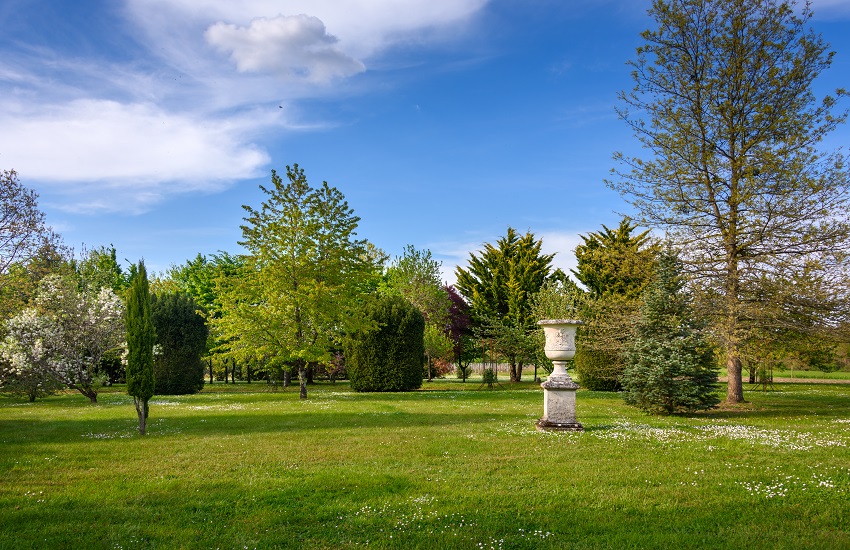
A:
{"x": 597, "y": 370}
{"x": 390, "y": 357}
{"x": 671, "y": 367}
{"x": 181, "y": 335}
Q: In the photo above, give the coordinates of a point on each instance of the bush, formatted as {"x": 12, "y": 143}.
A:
{"x": 181, "y": 336}
{"x": 389, "y": 358}
{"x": 597, "y": 370}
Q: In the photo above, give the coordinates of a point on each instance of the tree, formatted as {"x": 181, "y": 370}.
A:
{"x": 22, "y": 228}
{"x": 670, "y": 367}
{"x": 26, "y": 356}
{"x": 140, "y": 342}
{"x": 390, "y": 357}
{"x": 498, "y": 285}
{"x": 615, "y": 266}
{"x": 99, "y": 268}
{"x": 303, "y": 277}
{"x": 181, "y": 336}
{"x": 465, "y": 348}
{"x": 415, "y": 276}
{"x": 723, "y": 100}
{"x": 74, "y": 330}
{"x": 204, "y": 279}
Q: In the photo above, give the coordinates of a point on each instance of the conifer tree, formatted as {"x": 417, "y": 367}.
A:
{"x": 670, "y": 367}
{"x": 140, "y": 342}
{"x": 499, "y": 284}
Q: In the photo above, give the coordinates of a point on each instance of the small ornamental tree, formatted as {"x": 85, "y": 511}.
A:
{"x": 181, "y": 333}
{"x": 140, "y": 342}
{"x": 670, "y": 367}
{"x": 26, "y": 355}
{"x": 390, "y": 357}
{"x": 67, "y": 334}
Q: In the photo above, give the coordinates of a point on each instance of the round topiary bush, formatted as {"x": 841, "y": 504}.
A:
{"x": 597, "y": 370}
{"x": 389, "y": 358}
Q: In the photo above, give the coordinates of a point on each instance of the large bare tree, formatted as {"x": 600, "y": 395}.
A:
{"x": 22, "y": 228}
{"x": 723, "y": 103}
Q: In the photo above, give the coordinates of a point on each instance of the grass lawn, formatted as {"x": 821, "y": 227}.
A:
{"x": 446, "y": 467}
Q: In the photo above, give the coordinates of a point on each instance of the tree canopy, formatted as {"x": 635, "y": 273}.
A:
{"x": 723, "y": 101}
{"x": 303, "y": 275}
{"x": 498, "y": 284}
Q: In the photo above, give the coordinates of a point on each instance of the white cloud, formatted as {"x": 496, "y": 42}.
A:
{"x": 105, "y": 155}
{"x": 108, "y": 133}
{"x": 295, "y": 47}
{"x": 362, "y": 26}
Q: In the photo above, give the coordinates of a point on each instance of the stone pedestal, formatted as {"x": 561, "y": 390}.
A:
{"x": 559, "y": 405}
{"x": 559, "y": 390}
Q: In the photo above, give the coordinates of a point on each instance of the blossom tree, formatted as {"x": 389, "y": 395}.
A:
{"x": 66, "y": 335}
{"x": 25, "y": 356}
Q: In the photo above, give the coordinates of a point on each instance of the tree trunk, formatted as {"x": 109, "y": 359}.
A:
{"x": 287, "y": 378}
{"x": 91, "y": 394}
{"x": 735, "y": 387}
{"x": 211, "y": 371}
{"x": 142, "y": 411}
{"x": 310, "y": 372}
{"x": 513, "y": 374}
{"x": 248, "y": 371}
{"x": 302, "y": 380}
{"x": 225, "y": 371}
{"x": 233, "y": 371}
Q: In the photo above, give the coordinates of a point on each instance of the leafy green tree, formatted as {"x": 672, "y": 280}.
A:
{"x": 181, "y": 337}
{"x": 141, "y": 338}
{"x": 615, "y": 265}
{"x": 203, "y": 279}
{"x": 498, "y": 284}
{"x": 670, "y": 367}
{"x": 390, "y": 357}
{"x": 415, "y": 276}
{"x": 99, "y": 268}
{"x": 723, "y": 99}
{"x": 304, "y": 275}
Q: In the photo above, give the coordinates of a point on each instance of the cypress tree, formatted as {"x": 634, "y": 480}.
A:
{"x": 140, "y": 342}
{"x": 670, "y": 367}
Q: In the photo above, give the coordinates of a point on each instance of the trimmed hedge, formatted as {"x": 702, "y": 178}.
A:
{"x": 391, "y": 357}
{"x": 182, "y": 337}
{"x": 598, "y": 370}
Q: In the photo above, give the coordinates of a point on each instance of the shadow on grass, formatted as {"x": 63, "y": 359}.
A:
{"x": 49, "y": 431}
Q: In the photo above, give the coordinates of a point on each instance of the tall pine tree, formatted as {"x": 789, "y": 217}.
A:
{"x": 140, "y": 342}
{"x": 670, "y": 368}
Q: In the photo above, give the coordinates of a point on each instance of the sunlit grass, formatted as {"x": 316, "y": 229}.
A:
{"x": 450, "y": 466}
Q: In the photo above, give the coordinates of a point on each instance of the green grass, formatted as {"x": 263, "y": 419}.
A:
{"x": 811, "y": 374}
{"x": 446, "y": 467}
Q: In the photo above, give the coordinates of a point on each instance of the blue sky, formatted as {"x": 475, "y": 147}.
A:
{"x": 146, "y": 124}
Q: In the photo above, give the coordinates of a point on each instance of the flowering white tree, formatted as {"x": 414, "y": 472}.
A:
{"x": 67, "y": 334}
{"x": 25, "y": 356}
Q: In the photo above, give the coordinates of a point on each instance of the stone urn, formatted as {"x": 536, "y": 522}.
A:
{"x": 559, "y": 390}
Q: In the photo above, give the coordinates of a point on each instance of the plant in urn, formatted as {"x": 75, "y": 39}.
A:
{"x": 559, "y": 390}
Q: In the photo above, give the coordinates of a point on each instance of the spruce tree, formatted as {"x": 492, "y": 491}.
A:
{"x": 670, "y": 367}
{"x": 140, "y": 342}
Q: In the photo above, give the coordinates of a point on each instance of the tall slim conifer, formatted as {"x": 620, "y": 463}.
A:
{"x": 140, "y": 342}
